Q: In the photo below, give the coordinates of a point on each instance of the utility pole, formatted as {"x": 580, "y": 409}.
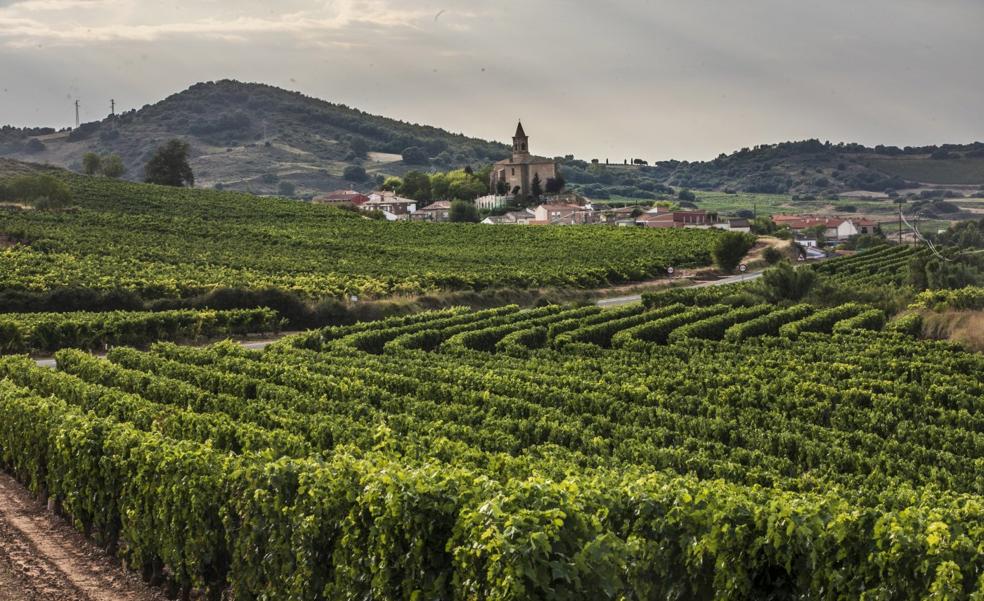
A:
{"x": 76, "y": 114}
{"x": 900, "y": 221}
{"x": 112, "y": 107}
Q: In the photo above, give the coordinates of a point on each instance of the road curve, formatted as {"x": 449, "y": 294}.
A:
{"x": 616, "y": 301}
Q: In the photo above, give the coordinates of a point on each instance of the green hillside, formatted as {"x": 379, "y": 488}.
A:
{"x": 249, "y": 137}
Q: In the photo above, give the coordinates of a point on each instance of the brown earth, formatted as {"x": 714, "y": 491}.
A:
{"x": 42, "y": 558}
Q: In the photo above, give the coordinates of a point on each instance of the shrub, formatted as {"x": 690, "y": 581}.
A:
{"x": 730, "y": 248}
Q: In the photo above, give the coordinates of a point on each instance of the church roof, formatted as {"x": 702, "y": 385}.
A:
{"x": 526, "y": 160}
{"x": 519, "y": 131}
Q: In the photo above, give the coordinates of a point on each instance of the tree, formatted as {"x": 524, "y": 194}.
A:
{"x": 440, "y": 186}
{"x": 414, "y": 155}
{"x": 555, "y": 185}
{"x": 501, "y": 187}
{"x": 391, "y": 184}
{"x": 286, "y": 188}
{"x": 169, "y": 165}
{"x": 730, "y": 248}
{"x": 112, "y": 166}
{"x": 416, "y": 185}
{"x": 783, "y": 282}
{"x": 359, "y": 146}
{"x": 687, "y": 195}
{"x": 91, "y": 163}
{"x": 463, "y": 211}
{"x": 535, "y": 188}
{"x": 355, "y": 173}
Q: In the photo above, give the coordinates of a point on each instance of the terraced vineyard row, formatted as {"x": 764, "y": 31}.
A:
{"x": 46, "y": 332}
{"x": 685, "y": 449}
{"x": 885, "y": 265}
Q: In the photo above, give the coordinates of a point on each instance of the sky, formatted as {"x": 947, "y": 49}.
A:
{"x": 616, "y": 79}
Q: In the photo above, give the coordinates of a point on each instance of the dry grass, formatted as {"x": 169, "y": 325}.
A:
{"x": 963, "y": 327}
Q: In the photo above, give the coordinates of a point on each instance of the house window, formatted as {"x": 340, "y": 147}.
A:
{"x": 514, "y": 171}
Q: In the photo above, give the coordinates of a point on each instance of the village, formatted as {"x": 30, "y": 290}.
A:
{"x": 521, "y": 175}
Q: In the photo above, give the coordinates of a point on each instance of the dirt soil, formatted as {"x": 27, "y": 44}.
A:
{"x": 42, "y": 558}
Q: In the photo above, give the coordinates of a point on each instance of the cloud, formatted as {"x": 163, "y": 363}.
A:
{"x": 20, "y": 28}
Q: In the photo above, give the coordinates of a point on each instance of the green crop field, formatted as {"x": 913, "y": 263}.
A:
{"x": 165, "y": 242}
{"x": 695, "y": 447}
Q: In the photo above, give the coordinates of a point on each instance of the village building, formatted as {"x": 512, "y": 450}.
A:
{"x": 339, "y": 197}
{"x": 734, "y": 225}
{"x": 563, "y": 214}
{"x": 393, "y": 207}
{"x": 834, "y": 228}
{"x": 435, "y": 212}
{"x": 519, "y": 171}
{"x": 660, "y": 217}
{"x": 511, "y": 217}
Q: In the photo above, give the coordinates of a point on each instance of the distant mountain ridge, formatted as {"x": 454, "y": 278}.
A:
{"x": 252, "y": 137}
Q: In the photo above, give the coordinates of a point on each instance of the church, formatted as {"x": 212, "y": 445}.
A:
{"x": 519, "y": 171}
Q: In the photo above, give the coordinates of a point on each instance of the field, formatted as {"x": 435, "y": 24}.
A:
{"x": 695, "y": 447}
{"x": 166, "y": 243}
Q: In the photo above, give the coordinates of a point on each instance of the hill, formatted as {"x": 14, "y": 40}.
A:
{"x": 806, "y": 170}
{"x": 249, "y": 137}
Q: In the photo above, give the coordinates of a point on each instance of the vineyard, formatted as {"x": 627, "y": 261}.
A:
{"x": 694, "y": 447}
{"x": 46, "y": 332}
{"x": 161, "y": 242}
{"x": 884, "y": 266}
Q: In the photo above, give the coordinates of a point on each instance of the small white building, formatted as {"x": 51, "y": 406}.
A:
{"x": 491, "y": 201}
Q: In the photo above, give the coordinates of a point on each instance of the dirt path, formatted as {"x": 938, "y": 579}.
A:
{"x": 42, "y": 558}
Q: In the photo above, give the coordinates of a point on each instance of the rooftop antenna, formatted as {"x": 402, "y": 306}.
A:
{"x": 76, "y": 114}
{"x": 112, "y": 107}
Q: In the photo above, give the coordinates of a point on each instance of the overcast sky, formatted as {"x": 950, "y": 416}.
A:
{"x": 654, "y": 79}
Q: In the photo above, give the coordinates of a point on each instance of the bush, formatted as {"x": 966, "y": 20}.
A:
{"x": 730, "y": 248}
{"x": 286, "y": 189}
{"x": 687, "y": 195}
{"x": 463, "y": 211}
{"x": 43, "y": 191}
{"x": 355, "y": 173}
{"x": 414, "y": 155}
{"x": 784, "y": 282}
{"x": 772, "y": 256}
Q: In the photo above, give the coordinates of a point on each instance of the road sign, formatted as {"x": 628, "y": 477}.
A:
{"x": 800, "y": 258}
{"x": 354, "y": 298}
{"x": 669, "y": 270}
{"x": 743, "y": 268}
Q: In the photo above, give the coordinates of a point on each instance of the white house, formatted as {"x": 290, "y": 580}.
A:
{"x": 491, "y": 201}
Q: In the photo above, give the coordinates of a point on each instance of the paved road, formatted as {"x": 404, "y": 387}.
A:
{"x": 634, "y": 298}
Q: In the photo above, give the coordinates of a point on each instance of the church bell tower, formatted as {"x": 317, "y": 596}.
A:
{"x": 521, "y": 144}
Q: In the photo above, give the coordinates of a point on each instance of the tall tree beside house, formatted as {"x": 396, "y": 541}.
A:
{"x": 416, "y": 185}
{"x": 501, "y": 187}
{"x": 91, "y": 163}
{"x": 169, "y": 166}
{"x": 536, "y": 189}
